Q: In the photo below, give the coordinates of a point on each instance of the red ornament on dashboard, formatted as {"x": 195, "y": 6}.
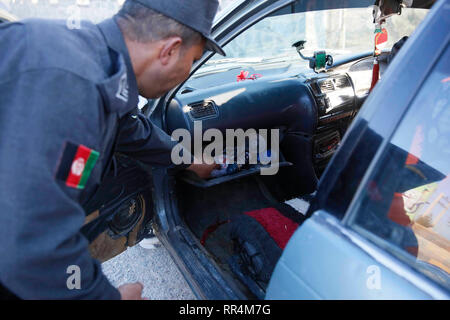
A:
{"x": 244, "y": 76}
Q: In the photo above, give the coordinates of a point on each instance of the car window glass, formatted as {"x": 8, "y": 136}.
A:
{"x": 335, "y": 193}
{"x": 405, "y": 205}
{"x": 268, "y": 44}
{"x": 338, "y": 31}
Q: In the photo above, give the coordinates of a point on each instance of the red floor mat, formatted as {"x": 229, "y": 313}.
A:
{"x": 276, "y": 224}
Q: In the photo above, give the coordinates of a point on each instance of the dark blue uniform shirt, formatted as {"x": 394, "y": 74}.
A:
{"x": 56, "y": 86}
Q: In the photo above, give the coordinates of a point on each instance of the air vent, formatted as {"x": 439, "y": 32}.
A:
{"x": 335, "y": 83}
{"x": 341, "y": 82}
{"x": 336, "y": 93}
{"x": 326, "y": 86}
{"x": 203, "y": 110}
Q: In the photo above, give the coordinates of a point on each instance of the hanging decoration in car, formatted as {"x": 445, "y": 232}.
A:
{"x": 244, "y": 75}
{"x": 382, "y": 10}
{"x": 319, "y": 61}
{"x": 381, "y": 38}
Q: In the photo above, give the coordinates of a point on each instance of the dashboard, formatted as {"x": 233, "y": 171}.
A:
{"x": 315, "y": 108}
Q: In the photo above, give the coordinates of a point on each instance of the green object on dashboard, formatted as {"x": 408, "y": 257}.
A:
{"x": 320, "y": 60}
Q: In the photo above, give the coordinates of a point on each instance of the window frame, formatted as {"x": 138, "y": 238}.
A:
{"x": 348, "y": 221}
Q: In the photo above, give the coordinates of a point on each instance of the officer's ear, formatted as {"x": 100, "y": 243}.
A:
{"x": 170, "y": 50}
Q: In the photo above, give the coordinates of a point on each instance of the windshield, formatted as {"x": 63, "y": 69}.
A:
{"x": 339, "y": 32}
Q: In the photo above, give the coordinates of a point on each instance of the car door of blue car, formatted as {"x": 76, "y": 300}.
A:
{"x": 380, "y": 223}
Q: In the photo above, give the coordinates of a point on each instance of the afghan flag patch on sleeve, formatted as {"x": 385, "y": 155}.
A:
{"x": 76, "y": 165}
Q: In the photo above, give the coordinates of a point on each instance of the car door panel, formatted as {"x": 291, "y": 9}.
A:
{"x": 322, "y": 261}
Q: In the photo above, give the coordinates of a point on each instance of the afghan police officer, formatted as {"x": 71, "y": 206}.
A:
{"x": 65, "y": 102}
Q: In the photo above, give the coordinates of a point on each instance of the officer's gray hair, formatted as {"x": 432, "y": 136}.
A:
{"x": 142, "y": 24}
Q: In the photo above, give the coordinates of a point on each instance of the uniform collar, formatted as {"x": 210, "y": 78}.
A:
{"x": 114, "y": 40}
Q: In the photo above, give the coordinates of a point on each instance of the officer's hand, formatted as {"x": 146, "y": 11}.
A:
{"x": 131, "y": 291}
{"x": 203, "y": 170}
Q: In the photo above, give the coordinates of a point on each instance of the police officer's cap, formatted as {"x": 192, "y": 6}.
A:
{"x": 196, "y": 14}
